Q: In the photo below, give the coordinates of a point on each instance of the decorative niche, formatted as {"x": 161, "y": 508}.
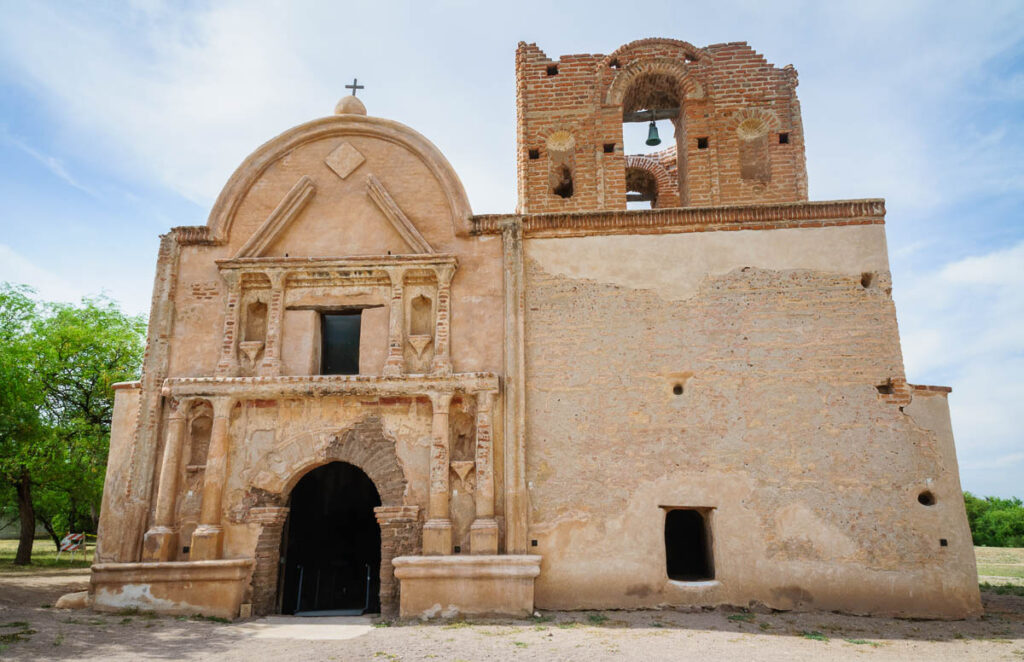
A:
{"x": 420, "y": 320}
{"x": 254, "y": 334}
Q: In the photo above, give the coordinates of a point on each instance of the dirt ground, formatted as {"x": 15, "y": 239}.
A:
{"x": 30, "y": 629}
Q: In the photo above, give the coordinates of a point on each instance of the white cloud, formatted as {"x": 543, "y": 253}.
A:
{"x": 961, "y": 326}
{"x": 52, "y": 163}
{"x": 19, "y": 270}
{"x": 1003, "y": 269}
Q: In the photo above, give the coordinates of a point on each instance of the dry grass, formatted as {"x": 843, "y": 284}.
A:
{"x": 1001, "y": 565}
{"x": 44, "y": 555}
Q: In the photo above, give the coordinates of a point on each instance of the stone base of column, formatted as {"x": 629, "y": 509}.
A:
{"x": 441, "y": 368}
{"x": 483, "y": 537}
{"x": 207, "y": 543}
{"x": 159, "y": 544}
{"x": 437, "y": 537}
{"x": 392, "y": 369}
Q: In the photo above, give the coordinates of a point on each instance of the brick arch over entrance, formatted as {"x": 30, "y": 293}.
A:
{"x": 364, "y": 445}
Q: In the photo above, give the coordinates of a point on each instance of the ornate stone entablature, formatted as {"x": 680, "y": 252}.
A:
{"x": 277, "y": 282}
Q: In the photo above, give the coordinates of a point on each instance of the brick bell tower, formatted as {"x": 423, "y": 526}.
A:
{"x": 737, "y": 135}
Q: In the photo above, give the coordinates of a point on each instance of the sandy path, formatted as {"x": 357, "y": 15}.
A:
{"x": 645, "y": 636}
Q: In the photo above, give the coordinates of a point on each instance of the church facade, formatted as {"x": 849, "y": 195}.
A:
{"x": 360, "y": 397}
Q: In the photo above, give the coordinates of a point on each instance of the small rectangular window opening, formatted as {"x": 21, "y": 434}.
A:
{"x": 609, "y": 148}
{"x": 339, "y": 349}
{"x": 552, "y": 70}
{"x": 783, "y": 138}
{"x": 702, "y": 143}
{"x": 688, "y": 545}
{"x": 534, "y": 154}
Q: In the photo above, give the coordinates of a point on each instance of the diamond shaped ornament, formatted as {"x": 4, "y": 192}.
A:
{"x": 344, "y": 160}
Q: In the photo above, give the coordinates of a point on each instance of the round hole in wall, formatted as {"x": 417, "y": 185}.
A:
{"x": 926, "y": 498}
{"x": 678, "y": 389}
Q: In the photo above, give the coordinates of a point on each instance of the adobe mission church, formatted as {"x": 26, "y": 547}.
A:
{"x": 360, "y": 397}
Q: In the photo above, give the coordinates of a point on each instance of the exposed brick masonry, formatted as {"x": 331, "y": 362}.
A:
{"x": 718, "y": 87}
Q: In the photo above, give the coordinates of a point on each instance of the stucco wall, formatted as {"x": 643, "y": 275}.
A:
{"x": 779, "y": 342}
{"x": 113, "y": 513}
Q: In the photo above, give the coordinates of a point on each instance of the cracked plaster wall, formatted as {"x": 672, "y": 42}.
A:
{"x": 780, "y": 429}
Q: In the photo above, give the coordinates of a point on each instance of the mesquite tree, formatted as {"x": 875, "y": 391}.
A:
{"x": 58, "y": 363}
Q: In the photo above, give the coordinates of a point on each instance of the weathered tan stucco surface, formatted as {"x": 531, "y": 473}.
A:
{"x": 780, "y": 428}
{"x": 542, "y": 387}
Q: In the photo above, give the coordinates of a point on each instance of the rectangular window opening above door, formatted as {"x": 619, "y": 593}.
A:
{"x": 688, "y": 555}
{"x": 339, "y": 334}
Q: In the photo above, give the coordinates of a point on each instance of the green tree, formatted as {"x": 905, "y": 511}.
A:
{"x": 995, "y": 522}
{"x": 69, "y": 357}
{"x": 21, "y": 398}
{"x": 81, "y": 352}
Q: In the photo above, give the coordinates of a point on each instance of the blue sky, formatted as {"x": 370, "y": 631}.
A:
{"x": 118, "y": 121}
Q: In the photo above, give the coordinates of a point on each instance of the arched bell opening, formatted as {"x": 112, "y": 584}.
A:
{"x": 652, "y": 105}
{"x": 641, "y": 189}
{"x": 331, "y": 544}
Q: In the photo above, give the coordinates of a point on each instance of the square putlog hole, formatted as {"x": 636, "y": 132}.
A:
{"x": 702, "y": 143}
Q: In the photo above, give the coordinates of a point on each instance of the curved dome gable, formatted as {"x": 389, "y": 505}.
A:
{"x": 342, "y": 185}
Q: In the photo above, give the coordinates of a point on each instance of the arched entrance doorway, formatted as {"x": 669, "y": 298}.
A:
{"x": 331, "y": 546}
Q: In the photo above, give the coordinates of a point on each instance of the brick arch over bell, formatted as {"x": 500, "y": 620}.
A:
{"x": 364, "y": 445}
{"x": 668, "y": 191}
{"x": 671, "y": 57}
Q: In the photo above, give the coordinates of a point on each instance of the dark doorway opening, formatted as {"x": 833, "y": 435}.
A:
{"x": 331, "y": 555}
{"x": 687, "y": 545}
{"x": 339, "y": 333}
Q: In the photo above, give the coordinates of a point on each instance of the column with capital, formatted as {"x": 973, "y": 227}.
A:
{"x": 437, "y": 531}
{"x": 271, "y": 363}
{"x": 160, "y": 542}
{"x": 228, "y": 365}
{"x": 442, "y": 364}
{"x": 208, "y": 538}
{"x": 394, "y": 365}
{"x": 483, "y": 534}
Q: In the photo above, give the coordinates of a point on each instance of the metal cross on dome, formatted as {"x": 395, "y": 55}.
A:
{"x": 355, "y": 86}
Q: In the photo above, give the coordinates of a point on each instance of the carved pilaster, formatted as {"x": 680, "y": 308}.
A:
{"x": 228, "y": 365}
{"x": 514, "y": 430}
{"x": 483, "y": 534}
{"x": 437, "y": 532}
{"x": 442, "y": 323}
{"x": 394, "y": 365}
{"x": 207, "y": 539}
{"x": 270, "y": 366}
{"x": 160, "y": 541}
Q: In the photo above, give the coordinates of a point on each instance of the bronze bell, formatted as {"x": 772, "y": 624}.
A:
{"x": 652, "y": 135}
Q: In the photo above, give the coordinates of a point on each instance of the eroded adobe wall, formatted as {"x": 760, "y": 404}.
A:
{"x": 779, "y": 340}
{"x": 340, "y": 220}
{"x": 279, "y": 441}
{"x": 735, "y": 104}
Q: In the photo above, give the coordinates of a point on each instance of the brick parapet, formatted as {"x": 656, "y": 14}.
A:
{"x": 690, "y": 219}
